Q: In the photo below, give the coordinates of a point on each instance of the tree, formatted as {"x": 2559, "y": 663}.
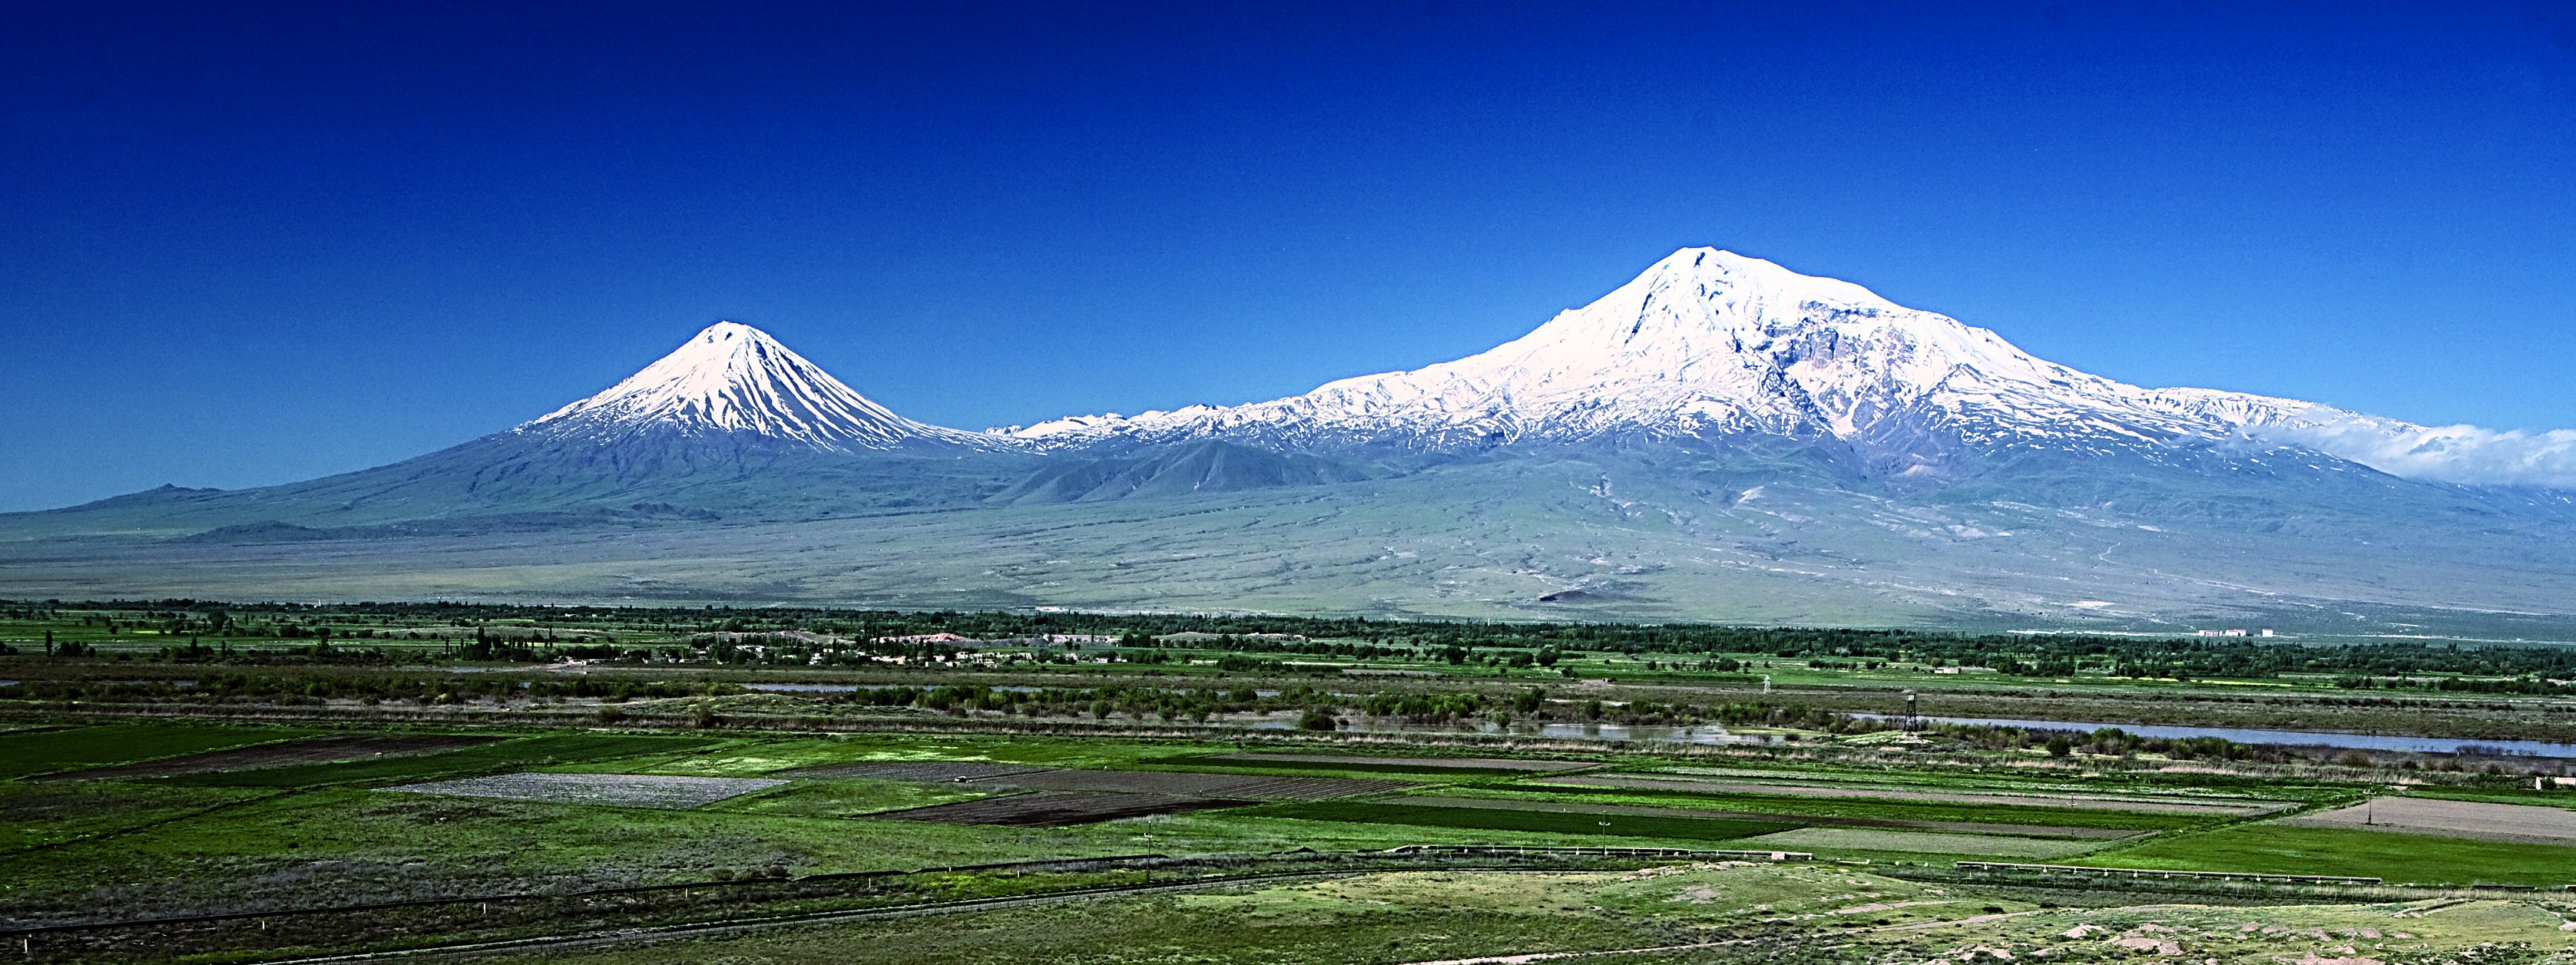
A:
{"x": 1530, "y": 700}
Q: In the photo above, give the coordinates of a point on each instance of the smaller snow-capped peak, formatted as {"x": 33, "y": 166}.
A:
{"x": 733, "y": 378}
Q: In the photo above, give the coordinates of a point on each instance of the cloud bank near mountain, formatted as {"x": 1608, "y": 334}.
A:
{"x": 2463, "y": 454}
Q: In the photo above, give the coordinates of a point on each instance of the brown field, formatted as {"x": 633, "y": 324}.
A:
{"x": 2523, "y": 823}
{"x": 1477, "y": 763}
{"x": 311, "y": 750}
{"x": 1193, "y": 784}
{"x": 2035, "y": 799}
{"x": 939, "y": 772}
{"x": 1818, "y": 820}
{"x": 1047, "y": 809}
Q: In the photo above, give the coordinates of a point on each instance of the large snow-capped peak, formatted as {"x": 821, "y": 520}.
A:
{"x": 733, "y": 378}
{"x": 1705, "y": 342}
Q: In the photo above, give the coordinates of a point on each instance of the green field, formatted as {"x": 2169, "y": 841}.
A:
{"x": 2399, "y": 858}
{"x": 845, "y": 798}
{"x": 1890, "y": 844}
{"x": 1861, "y": 808}
{"x": 1540, "y": 822}
{"x": 525, "y": 753}
{"x": 27, "y": 753}
{"x": 1424, "y": 771}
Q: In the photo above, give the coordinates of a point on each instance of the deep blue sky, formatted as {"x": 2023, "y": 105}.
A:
{"x": 244, "y": 243}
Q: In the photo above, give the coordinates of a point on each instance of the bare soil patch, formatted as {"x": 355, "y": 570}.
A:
{"x": 1048, "y": 809}
{"x": 311, "y": 750}
{"x": 2523, "y": 823}
{"x": 2032, "y": 799}
{"x": 622, "y": 790}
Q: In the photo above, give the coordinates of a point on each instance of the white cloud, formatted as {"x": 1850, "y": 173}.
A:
{"x": 2459, "y": 454}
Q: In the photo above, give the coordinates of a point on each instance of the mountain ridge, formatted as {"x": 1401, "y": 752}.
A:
{"x": 1718, "y": 438}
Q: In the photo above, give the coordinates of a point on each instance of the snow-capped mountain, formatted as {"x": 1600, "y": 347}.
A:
{"x": 1712, "y": 343}
{"x": 735, "y": 379}
{"x": 1771, "y": 447}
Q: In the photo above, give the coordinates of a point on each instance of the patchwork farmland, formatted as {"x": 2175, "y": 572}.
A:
{"x": 613, "y": 800}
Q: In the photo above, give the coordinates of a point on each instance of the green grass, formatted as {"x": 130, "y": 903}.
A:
{"x": 525, "y": 753}
{"x": 2399, "y": 858}
{"x": 324, "y": 844}
{"x": 1887, "y": 843}
{"x": 754, "y": 756}
{"x": 1397, "y": 917}
{"x": 78, "y": 748}
{"x": 1794, "y": 806}
{"x": 1537, "y": 822}
{"x": 34, "y": 814}
{"x": 845, "y": 798}
{"x": 1294, "y": 922}
{"x": 1212, "y": 764}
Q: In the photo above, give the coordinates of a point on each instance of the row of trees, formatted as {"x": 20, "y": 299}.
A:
{"x": 507, "y": 631}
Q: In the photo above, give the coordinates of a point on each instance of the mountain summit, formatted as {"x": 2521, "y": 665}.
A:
{"x": 1704, "y": 342}
{"x": 733, "y": 378}
{"x": 1712, "y": 344}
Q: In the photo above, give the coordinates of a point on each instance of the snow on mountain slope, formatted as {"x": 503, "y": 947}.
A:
{"x": 733, "y": 378}
{"x": 1709, "y": 342}
{"x": 1703, "y": 342}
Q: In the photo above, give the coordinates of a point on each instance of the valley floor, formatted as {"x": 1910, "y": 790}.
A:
{"x": 215, "y": 783}
{"x": 174, "y": 840}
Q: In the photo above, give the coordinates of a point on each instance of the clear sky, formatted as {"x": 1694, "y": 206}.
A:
{"x": 246, "y": 243}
